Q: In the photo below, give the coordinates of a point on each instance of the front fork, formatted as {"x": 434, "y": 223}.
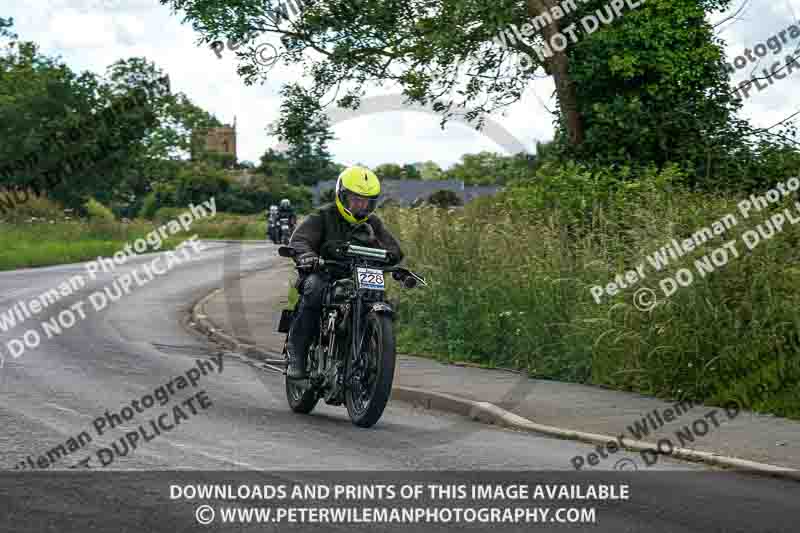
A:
{"x": 355, "y": 339}
{"x": 331, "y": 332}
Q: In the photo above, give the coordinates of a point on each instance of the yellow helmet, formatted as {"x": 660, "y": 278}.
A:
{"x": 358, "y": 190}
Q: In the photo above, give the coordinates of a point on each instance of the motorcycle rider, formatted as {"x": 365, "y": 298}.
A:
{"x": 286, "y": 211}
{"x": 357, "y": 194}
{"x": 272, "y": 222}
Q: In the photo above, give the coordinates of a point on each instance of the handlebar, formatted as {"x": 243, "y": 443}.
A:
{"x": 400, "y": 274}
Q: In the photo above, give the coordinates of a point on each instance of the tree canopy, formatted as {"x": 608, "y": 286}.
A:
{"x": 69, "y": 135}
{"x": 647, "y": 88}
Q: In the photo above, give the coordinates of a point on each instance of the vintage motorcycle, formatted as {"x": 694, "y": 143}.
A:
{"x": 352, "y": 360}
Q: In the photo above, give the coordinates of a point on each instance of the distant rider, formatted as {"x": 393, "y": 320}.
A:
{"x": 272, "y": 223}
{"x": 357, "y": 194}
{"x": 286, "y": 211}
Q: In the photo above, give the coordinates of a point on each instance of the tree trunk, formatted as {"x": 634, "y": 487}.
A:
{"x": 558, "y": 67}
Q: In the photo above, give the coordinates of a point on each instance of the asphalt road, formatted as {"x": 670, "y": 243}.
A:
{"x": 239, "y": 421}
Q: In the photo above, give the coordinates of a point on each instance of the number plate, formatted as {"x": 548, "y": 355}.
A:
{"x": 370, "y": 278}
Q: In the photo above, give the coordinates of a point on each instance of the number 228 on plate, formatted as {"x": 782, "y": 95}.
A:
{"x": 370, "y": 278}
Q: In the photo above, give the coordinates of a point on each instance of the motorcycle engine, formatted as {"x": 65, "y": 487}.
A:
{"x": 343, "y": 290}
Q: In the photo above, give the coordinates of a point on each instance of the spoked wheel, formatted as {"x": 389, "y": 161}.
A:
{"x": 372, "y": 372}
{"x": 301, "y": 400}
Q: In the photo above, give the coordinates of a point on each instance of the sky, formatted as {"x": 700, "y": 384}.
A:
{"x": 92, "y": 34}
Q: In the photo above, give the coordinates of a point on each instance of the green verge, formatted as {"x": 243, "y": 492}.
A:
{"x": 41, "y": 243}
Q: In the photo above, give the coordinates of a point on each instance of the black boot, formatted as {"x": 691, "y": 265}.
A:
{"x": 305, "y": 326}
{"x": 297, "y": 346}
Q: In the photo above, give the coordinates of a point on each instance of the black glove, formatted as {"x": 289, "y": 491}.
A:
{"x": 308, "y": 262}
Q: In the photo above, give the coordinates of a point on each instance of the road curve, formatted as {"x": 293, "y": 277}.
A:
{"x": 239, "y": 420}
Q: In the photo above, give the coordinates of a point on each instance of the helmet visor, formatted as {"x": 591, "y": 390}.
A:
{"x": 359, "y": 206}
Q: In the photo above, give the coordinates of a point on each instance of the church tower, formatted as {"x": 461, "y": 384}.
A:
{"x": 221, "y": 140}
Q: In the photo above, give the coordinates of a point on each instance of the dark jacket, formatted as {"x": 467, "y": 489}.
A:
{"x": 287, "y": 213}
{"x": 326, "y": 224}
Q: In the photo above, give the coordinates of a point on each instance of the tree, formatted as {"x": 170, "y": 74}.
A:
{"x": 410, "y": 172}
{"x": 5, "y": 31}
{"x": 489, "y": 168}
{"x": 457, "y": 56}
{"x": 65, "y": 134}
{"x": 170, "y": 139}
{"x": 421, "y": 45}
{"x": 431, "y": 171}
{"x": 393, "y": 171}
{"x": 651, "y": 88}
{"x": 307, "y": 131}
{"x": 274, "y": 164}
{"x": 70, "y": 135}
{"x": 389, "y": 171}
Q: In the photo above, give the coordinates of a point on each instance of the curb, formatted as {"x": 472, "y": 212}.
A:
{"x": 199, "y": 321}
{"x": 489, "y": 413}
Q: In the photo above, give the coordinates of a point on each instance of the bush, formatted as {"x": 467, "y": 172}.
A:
{"x": 149, "y": 206}
{"x": 200, "y": 182}
{"x": 22, "y": 206}
{"x": 445, "y": 198}
{"x": 168, "y": 213}
{"x": 98, "y": 212}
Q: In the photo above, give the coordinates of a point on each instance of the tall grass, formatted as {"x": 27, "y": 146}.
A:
{"x": 510, "y": 282}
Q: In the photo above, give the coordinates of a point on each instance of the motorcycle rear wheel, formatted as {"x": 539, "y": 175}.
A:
{"x": 366, "y": 397}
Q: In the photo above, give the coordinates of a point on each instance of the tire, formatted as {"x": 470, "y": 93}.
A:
{"x": 300, "y": 401}
{"x": 380, "y": 345}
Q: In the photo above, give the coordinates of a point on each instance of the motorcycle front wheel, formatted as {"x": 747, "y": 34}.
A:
{"x": 372, "y": 372}
{"x": 300, "y": 399}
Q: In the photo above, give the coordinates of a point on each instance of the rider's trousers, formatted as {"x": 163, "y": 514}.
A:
{"x": 306, "y": 321}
